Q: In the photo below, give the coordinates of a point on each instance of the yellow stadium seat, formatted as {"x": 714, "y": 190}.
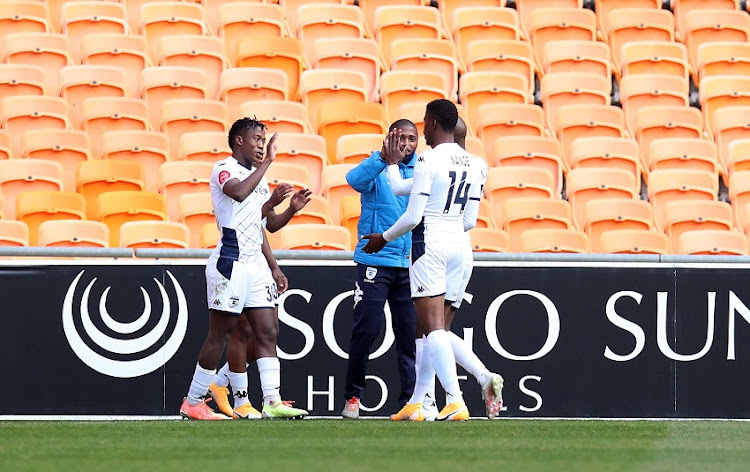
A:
{"x": 338, "y": 119}
{"x": 657, "y": 122}
{"x": 307, "y": 150}
{"x": 637, "y": 24}
{"x": 22, "y": 113}
{"x": 713, "y": 243}
{"x": 586, "y": 121}
{"x": 723, "y": 58}
{"x": 21, "y": 79}
{"x": 354, "y": 148}
{"x": 505, "y": 183}
{"x": 102, "y": 114}
{"x": 431, "y": 55}
{"x": 561, "y": 89}
{"x": 730, "y": 124}
{"x": 669, "y": 185}
{"x": 73, "y": 233}
{"x": 125, "y": 51}
{"x": 560, "y": 24}
{"x": 189, "y": 115}
{"x": 154, "y": 235}
{"x": 34, "y": 208}
{"x": 358, "y": 54}
{"x": 516, "y": 57}
{"x": 646, "y": 90}
{"x": 65, "y": 146}
{"x": 616, "y": 214}
{"x": 199, "y": 52}
{"x": 604, "y": 7}
{"x": 686, "y": 215}
{"x": 46, "y": 50}
{"x": 13, "y": 233}
{"x": 336, "y": 188}
{"x": 285, "y": 54}
{"x": 606, "y": 152}
{"x": 280, "y": 116}
{"x": 580, "y": 57}
{"x": 684, "y": 153}
{"x": 683, "y": 9}
{"x": 195, "y": 210}
{"x": 631, "y": 241}
{"x": 210, "y": 236}
{"x": 178, "y": 178}
{"x": 320, "y": 20}
{"x": 405, "y": 22}
{"x": 159, "y": 84}
{"x": 471, "y": 24}
{"x": 147, "y": 148}
{"x": 482, "y": 88}
{"x": 497, "y": 120}
{"x": 207, "y": 146}
{"x": 118, "y": 207}
{"x": 489, "y": 240}
{"x": 587, "y": 184}
{"x": 399, "y": 87}
{"x": 555, "y": 241}
{"x": 315, "y": 236}
{"x": 27, "y": 175}
{"x": 523, "y": 214}
{"x": 319, "y": 86}
{"x": 526, "y": 8}
{"x": 96, "y": 177}
{"x": 530, "y": 151}
{"x": 84, "y": 18}
{"x": 246, "y": 84}
{"x": 81, "y": 82}
{"x": 237, "y": 21}
{"x": 170, "y": 18}
{"x": 654, "y": 57}
{"x": 722, "y": 91}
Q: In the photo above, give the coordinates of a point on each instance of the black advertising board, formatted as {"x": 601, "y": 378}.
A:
{"x": 612, "y": 340}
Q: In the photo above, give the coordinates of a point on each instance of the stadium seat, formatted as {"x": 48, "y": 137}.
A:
{"x": 206, "y": 146}
{"x": 13, "y": 233}
{"x": 522, "y": 214}
{"x": 705, "y": 26}
{"x": 516, "y": 57}
{"x": 170, "y": 18}
{"x": 637, "y": 24}
{"x": 245, "y": 84}
{"x": 720, "y": 58}
{"x": 178, "y": 178}
{"x": 484, "y": 218}
{"x": 668, "y": 185}
{"x": 684, "y": 153}
{"x": 654, "y": 57}
{"x": 713, "y": 243}
{"x": 285, "y": 54}
{"x": 686, "y": 215}
{"x": 96, "y": 177}
{"x": 65, "y": 146}
{"x": 210, "y": 236}
{"x": 46, "y": 50}
{"x": 195, "y": 210}
{"x": 134, "y": 13}
{"x": 604, "y": 7}
{"x": 555, "y": 241}
{"x": 315, "y": 236}
{"x": 616, "y": 214}
{"x": 369, "y": 9}
{"x": 280, "y": 116}
{"x": 284, "y": 172}
{"x": 739, "y": 195}
{"x": 351, "y": 209}
{"x": 646, "y": 90}
{"x": 337, "y": 119}
{"x": 336, "y": 188}
{"x": 188, "y": 115}
{"x": 102, "y": 114}
{"x": 526, "y": 8}
{"x": 497, "y": 120}
{"x": 580, "y": 57}
{"x": 682, "y": 10}
{"x": 154, "y": 235}
{"x": 357, "y": 54}
{"x": 722, "y": 91}
{"x": 631, "y": 241}
{"x": 81, "y": 82}
{"x": 739, "y": 156}
{"x": 588, "y": 184}
{"x": 404, "y": 22}
{"x": 19, "y": 16}
{"x": 448, "y": 9}
{"x": 354, "y": 148}
{"x": 34, "y": 208}
{"x": 199, "y": 52}
{"x": 5, "y": 152}
{"x": 307, "y": 150}
{"x": 27, "y": 175}
{"x": 489, "y": 240}
{"x": 472, "y": 24}
{"x": 320, "y": 21}
{"x": 21, "y": 79}
{"x": 22, "y": 113}
{"x": 83, "y": 18}
{"x": 399, "y": 87}
{"x": 530, "y": 151}
{"x": 317, "y": 211}
{"x": 414, "y": 112}
{"x": 659, "y": 122}
{"x": 482, "y": 88}
{"x": 148, "y": 148}
{"x": 560, "y": 24}
{"x": 319, "y": 86}
{"x": 561, "y": 89}
{"x": 587, "y": 121}
{"x": 730, "y": 124}
{"x": 117, "y": 207}
{"x": 606, "y": 152}
{"x": 505, "y": 183}
{"x": 236, "y": 21}
{"x": 73, "y": 233}
{"x": 128, "y": 52}
{"x": 431, "y": 55}
{"x": 159, "y": 84}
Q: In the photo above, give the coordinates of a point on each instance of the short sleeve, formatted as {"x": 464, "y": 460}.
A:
{"x": 225, "y": 173}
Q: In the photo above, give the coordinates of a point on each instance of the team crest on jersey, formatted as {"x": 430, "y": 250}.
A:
{"x": 233, "y": 302}
{"x": 223, "y": 176}
{"x": 370, "y": 273}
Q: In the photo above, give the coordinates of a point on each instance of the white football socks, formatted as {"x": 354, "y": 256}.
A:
{"x": 444, "y": 363}
{"x": 199, "y": 386}
{"x": 465, "y": 357}
{"x": 222, "y": 377}
{"x": 269, "y": 369}
{"x": 425, "y": 381}
{"x": 238, "y": 380}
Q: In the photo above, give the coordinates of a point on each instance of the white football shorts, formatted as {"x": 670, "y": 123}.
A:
{"x": 251, "y": 286}
{"x": 440, "y": 268}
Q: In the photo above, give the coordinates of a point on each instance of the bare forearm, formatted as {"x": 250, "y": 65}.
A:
{"x": 240, "y": 190}
{"x": 268, "y": 253}
{"x": 276, "y": 221}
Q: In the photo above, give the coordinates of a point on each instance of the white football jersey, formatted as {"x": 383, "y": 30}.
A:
{"x": 240, "y": 223}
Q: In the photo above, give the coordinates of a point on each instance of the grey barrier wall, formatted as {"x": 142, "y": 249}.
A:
{"x": 624, "y": 338}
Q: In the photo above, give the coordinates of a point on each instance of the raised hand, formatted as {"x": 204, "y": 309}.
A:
{"x": 391, "y": 153}
{"x": 271, "y": 147}
{"x": 280, "y": 193}
{"x": 375, "y": 242}
{"x": 300, "y": 199}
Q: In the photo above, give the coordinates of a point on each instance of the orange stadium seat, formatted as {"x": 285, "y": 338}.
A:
{"x": 526, "y": 8}
{"x": 22, "y": 113}
{"x": 713, "y": 243}
{"x": 560, "y": 24}
{"x": 471, "y": 24}
{"x": 338, "y": 119}
{"x": 13, "y": 233}
{"x": 336, "y": 188}
{"x": 65, "y": 146}
{"x": 604, "y": 7}
{"x": 523, "y": 214}
{"x": 246, "y": 84}
{"x": 516, "y": 57}
{"x": 399, "y": 87}
{"x": 237, "y": 21}
{"x": 195, "y": 210}
{"x": 210, "y": 236}
{"x": 81, "y": 82}
{"x": 5, "y": 152}
{"x": 317, "y": 211}
{"x": 96, "y": 177}
{"x": 19, "y": 16}
{"x": 46, "y": 50}
{"x": 588, "y": 184}
{"x": 102, "y": 114}
{"x": 587, "y": 121}
{"x": 685, "y": 215}
{"x": 199, "y": 52}
{"x": 284, "y": 172}
{"x": 118, "y": 207}
{"x": 207, "y": 146}
{"x": 354, "y": 148}
{"x": 154, "y": 234}
{"x": 530, "y": 151}
{"x": 27, "y": 175}
{"x": 126, "y": 51}
{"x": 722, "y": 58}
{"x": 405, "y": 22}
{"x": 730, "y": 123}
{"x": 432, "y": 55}
{"x": 616, "y": 214}
{"x": 580, "y": 57}
{"x": 370, "y": 7}
{"x": 319, "y": 21}
{"x": 739, "y": 156}
{"x": 278, "y": 115}
{"x": 606, "y": 152}
{"x": 148, "y": 148}
{"x": 497, "y": 120}
{"x": 170, "y": 18}
{"x": 308, "y": 150}
{"x": 414, "y": 112}
{"x": 489, "y": 240}
{"x": 21, "y": 79}
{"x": 285, "y": 54}
{"x": 555, "y": 241}
{"x": 178, "y": 178}
{"x": 358, "y": 54}
{"x": 73, "y": 233}
{"x": 637, "y": 24}
{"x": 484, "y": 218}
{"x": 659, "y": 122}
{"x": 188, "y": 115}
{"x": 34, "y": 208}
{"x": 448, "y": 9}
{"x": 159, "y": 84}
{"x": 669, "y": 185}
{"x": 291, "y": 8}
{"x": 134, "y": 13}
{"x": 654, "y": 57}
{"x": 315, "y": 236}
{"x": 646, "y": 90}
{"x": 739, "y": 195}
{"x": 83, "y": 18}
{"x": 683, "y": 8}
{"x": 561, "y": 89}
{"x": 481, "y": 88}
{"x": 684, "y": 153}
{"x": 505, "y": 183}
{"x": 706, "y": 26}
{"x": 631, "y": 241}
{"x": 319, "y": 86}
{"x": 722, "y": 91}
{"x": 351, "y": 209}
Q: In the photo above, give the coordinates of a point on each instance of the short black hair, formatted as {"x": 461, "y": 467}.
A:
{"x": 241, "y": 126}
{"x": 402, "y": 123}
{"x": 444, "y": 112}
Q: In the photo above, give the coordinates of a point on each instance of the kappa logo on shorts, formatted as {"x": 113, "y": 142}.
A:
{"x": 223, "y": 176}
{"x": 122, "y": 345}
{"x": 370, "y": 273}
{"x": 233, "y": 301}
{"x": 217, "y": 303}
{"x": 420, "y": 289}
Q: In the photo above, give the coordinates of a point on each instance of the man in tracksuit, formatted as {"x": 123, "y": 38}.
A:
{"x": 382, "y": 276}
